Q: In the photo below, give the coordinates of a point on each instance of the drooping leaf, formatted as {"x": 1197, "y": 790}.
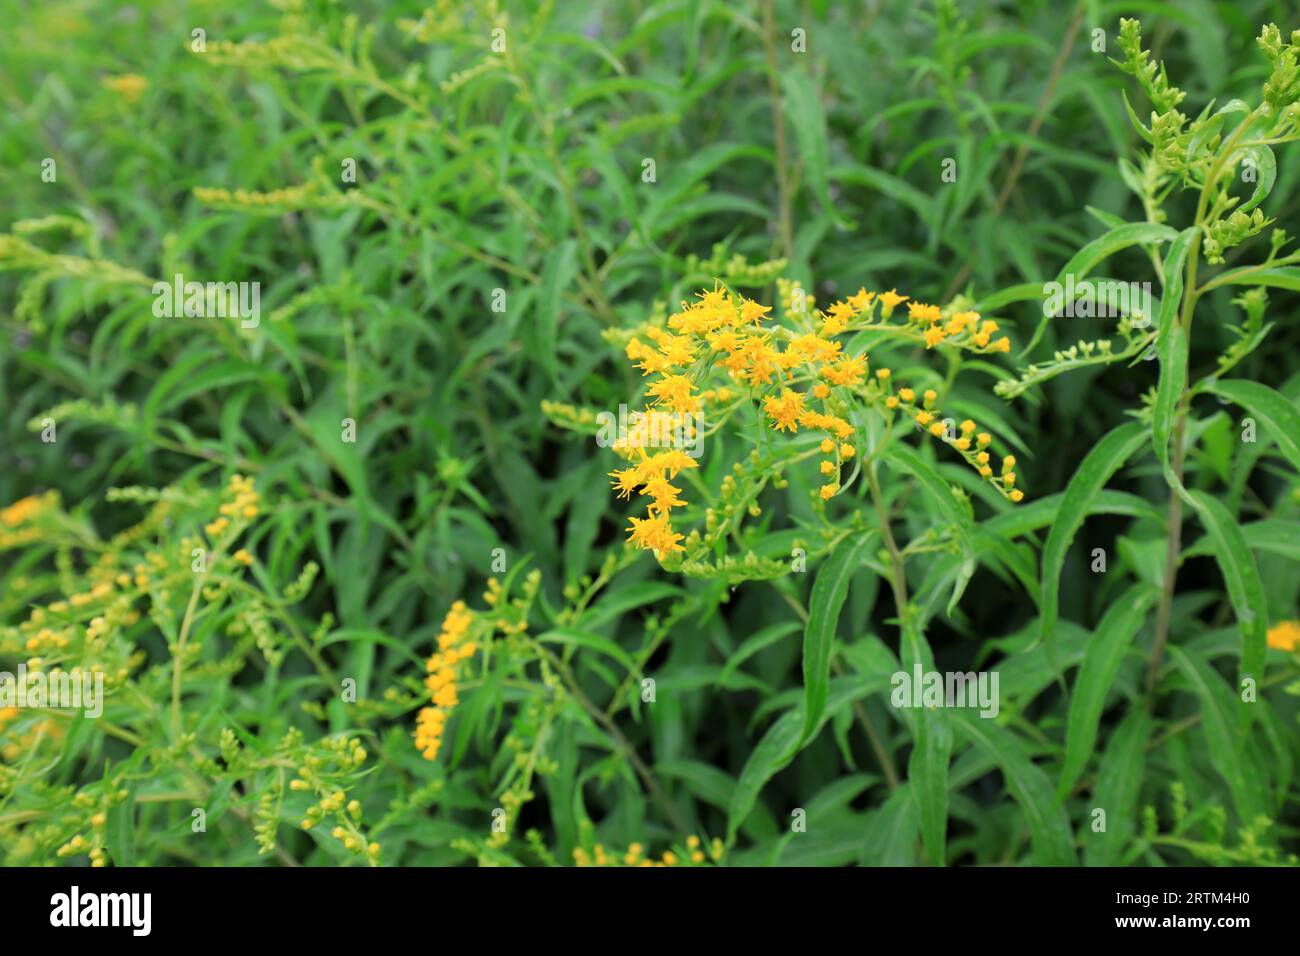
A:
{"x": 1096, "y": 676}
{"x": 1106, "y": 457}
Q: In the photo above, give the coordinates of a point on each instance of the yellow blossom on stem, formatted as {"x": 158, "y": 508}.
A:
{"x": 785, "y": 411}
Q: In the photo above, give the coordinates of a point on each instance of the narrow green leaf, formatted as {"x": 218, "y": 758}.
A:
{"x": 804, "y": 110}
{"x": 1282, "y": 277}
{"x": 1275, "y": 536}
{"x": 779, "y": 744}
{"x": 1266, "y": 175}
{"x": 891, "y": 833}
{"x": 1245, "y": 588}
{"x": 756, "y": 642}
{"x": 1224, "y": 751}
{"x": 1049, "y": 827}
{"x": 594, "y": 642}
{"x": 940, "y": 491}
{"x": 1277, "y": 413}
{"x": 1171, "y": 347}
{"x": 1096, "y": 469}
{"x": 560, "y": 268}
{"x": 1096, "y": 676}
{"x": 927, "y": 771}
{"x": 829, "y": 590}
{"x": 1101, "y": 248}
{"x": 1118, "y": 786}
{"x": 119, "y": 835}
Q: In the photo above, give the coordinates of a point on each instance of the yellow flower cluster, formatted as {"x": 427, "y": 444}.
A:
{"x": 289, "y": 196}
{"x": 962, "y": 329}
{"x": 651, "y": 477}
{"x": 635, "y": 855}
{"x": 25, "y": 509}
{"x": 16, "y": 520}
{"x": 1285, "y": 636}
{"x": 726, "y": 330}
{"x": 971, "y": 444}
{"x": 453, "y": 648}
{"x": 49, "y": 730}
{"x": 242, "y": 503}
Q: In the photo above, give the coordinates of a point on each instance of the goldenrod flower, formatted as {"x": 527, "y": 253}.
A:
{"x": 655, "y": 534}
{"x": 861, "y": 299}
{"x": 920, "y": 312}
{"x": 441, "y": 682}
{"x": 1284, "y": 636}
{"x": 888, "y": 300}
{"x": 785, "y": 411}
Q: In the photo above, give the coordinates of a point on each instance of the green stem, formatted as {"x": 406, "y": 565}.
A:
{"x": 1173, "y": 547}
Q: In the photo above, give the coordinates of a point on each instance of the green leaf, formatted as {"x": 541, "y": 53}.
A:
{"x": 899, "y": 190}
{"x": 956, "y": 510}
{"x": 1266, "y": 169}
{"x": 705, "y": 782}
{"x": 1097, "y": 467}
{"x": 603, "y": 645}
{"x": 1277, "y": 413}
{"x": 804, "y": 110}
{"x": 1049, "y": 827}
{"x": 1024, "y": 292}
{"x": 119, "y": 830}
{"x": 1101, "y": 248}
{"x": 561, "y": 266}
{"x": 756, "y": 642}
{"x": 780, "y": 743}
{"x": 1096, "y": 676}
{"x": 927, "y": 771}
{"x": 1171, "y": 347}
{"x": 1245, "y": 588}
{"x": 1224, "y": 751}
{"x": 829, "y": 590}
{"x": 1274, "y": 535}
{"x": 1282, "y": 277}
{"x": 891, "y": 833}
{"x": 1118, "y": 786}
{"x": 616, "y": 603}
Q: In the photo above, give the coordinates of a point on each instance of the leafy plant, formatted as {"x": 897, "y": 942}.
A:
{"x": 352, "y": 571}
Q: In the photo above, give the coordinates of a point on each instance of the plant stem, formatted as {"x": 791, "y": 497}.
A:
{"x": 180, "y": 650}
{"x": 1173, "y": 548}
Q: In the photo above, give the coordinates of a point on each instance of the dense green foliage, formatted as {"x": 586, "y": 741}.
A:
{"x": 459, "y": 218}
